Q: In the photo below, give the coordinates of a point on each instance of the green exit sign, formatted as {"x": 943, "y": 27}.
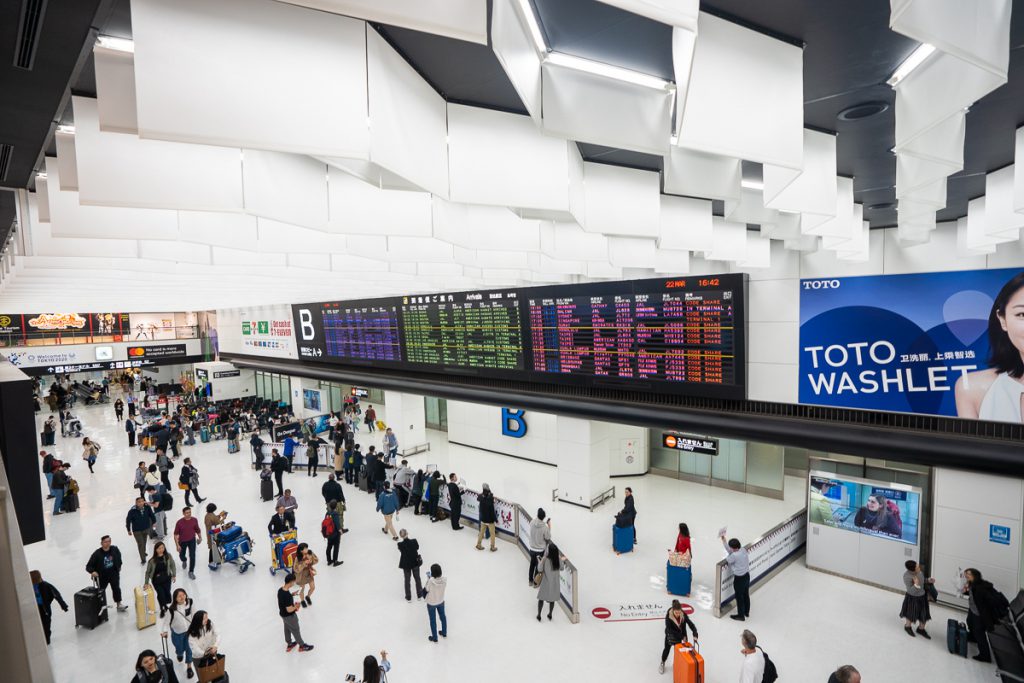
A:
{"x": 246, "y": 329}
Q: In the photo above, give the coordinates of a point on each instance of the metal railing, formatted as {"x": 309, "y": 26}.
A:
{"x": 601, "y": 498}
{"x": 569, "y": 576}
{"x": 769, "y": 554}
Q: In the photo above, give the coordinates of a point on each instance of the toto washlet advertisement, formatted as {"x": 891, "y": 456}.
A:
{"x": 934, "y": 343}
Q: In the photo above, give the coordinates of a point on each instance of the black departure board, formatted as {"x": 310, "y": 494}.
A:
{"x": 465, "y": 330}
{"x": 681, "y": 335}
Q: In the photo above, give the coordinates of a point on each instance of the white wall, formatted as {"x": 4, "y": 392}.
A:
{"x": 966, "y": 504}
{"x": 478, "y": 425}
{"x": 277, "y": 342}
{"x": 773, "y": 310}
{"x": 228, "y": 387}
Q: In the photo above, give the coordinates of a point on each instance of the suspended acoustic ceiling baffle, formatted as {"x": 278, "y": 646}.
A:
{"x": 883, "y": 206}
{"x": 862, "y": 111}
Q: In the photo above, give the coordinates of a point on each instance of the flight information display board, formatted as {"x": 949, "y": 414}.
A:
{"x": 679, "y": 335}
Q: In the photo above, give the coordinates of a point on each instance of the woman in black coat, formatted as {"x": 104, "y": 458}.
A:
{"x": 45, "y": 595}
{"x": 676, "y": 622}
{"x": 985, "y": 608}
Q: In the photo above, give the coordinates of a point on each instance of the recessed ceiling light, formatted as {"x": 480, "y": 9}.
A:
{"x": 752, "y": 184}
{"x": 533, "y": 26}
{"x": 862, "y": 111}
{"x": 607, "y": 70}
{"x": 916, "y": 59}
{"x": 119, "y": 44}
{"x": 64, "y": 128}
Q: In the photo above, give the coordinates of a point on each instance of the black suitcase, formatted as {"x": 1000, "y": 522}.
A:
{"x": 90, "y": 607}
{"x": 956, "y": 637}
{"x": 363, "y": 486}
{"x": 266, "y": 489}
{"x": 70, "y": 503}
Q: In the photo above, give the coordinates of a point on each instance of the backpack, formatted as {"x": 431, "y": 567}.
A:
{"x": 771, "y": 674}
{"x": 166, "y": 502}
{"x": 327, "y": 527}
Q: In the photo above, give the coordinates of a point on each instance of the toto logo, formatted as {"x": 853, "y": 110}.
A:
{"x": 821, "y": 284}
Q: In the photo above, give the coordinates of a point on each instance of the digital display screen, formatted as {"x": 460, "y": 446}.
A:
{"x": 682, "y": 335}
{"x": 874, "y": 509}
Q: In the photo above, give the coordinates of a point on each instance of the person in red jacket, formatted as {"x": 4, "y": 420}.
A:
{"x": 683, "y": 539}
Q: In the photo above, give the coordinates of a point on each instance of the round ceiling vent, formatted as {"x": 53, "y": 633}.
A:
{"x": 883, "y": 206}
{"x": 862, "y": 111}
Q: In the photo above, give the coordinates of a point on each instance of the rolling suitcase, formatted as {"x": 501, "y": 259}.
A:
{"x": 145, "y": 607}
{"x": 229, "y": 534}
{"x": 622, "y": 539}
{"x": 204, "y": 434}
{"x": 233, "y": 550}
{"x": 90, "y": 607}
{"x": 70, "y": 503}
{"x": 363, "y": 485}
{"x": 678, "y": 579}
{"x": 288, "y": 551}
{"x": 956, "y": 637}
{"x": 232, "y": 447}
{"x": 687, "y": 664}
{"x": 266, "y": 489}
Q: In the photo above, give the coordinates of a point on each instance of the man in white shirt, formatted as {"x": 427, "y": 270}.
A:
{"x": 753, "y": 660}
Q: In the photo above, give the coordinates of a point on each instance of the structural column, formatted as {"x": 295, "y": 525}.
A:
{"x": 406, "y": 415}
{"x": 582, "y": 456}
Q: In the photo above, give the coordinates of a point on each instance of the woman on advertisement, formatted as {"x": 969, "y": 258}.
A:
{"x": 998, "y": 392}
{"x": 879, "y": 515}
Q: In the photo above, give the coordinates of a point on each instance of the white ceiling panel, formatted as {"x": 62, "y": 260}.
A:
{"x": 172, "y": 250}
{"x": 460, "y": 19}
{"x": 115, "y": 90}
{"x": 233, "y": 230}
{"x": 621, "y": 201}
{"x": 517, "y": 52}
{"x": 697, "y": 174}
{"x": 407, "y": 119}
{"x": 285, "y": 187}
{"x": 672, "y": 12}
{"x": 118, "y": 169}
{"x": 67, "y": 160}
{"x": 219, "y": 73}
{"x": 278, "y": 237}
{"x": 359, "y": 208}
{"x": 685, "y": 224}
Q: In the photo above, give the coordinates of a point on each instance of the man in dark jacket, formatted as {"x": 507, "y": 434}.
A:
{"x": 139, "y": 523}
{"x": 105, "y": 566}
{"x": 331, "y": 490}
{"x": 281, "y": 522}
{"x": 409, "y": 562}
{"x": 455, "y": 501}
{"x": 48, "y": 471}
{"x": 847, "y": 673}
{"x": 46, "y": 593}
{"x": 278, "y": 465}
{"x": 59, "y": 485}
{"x": 488, "y": 518}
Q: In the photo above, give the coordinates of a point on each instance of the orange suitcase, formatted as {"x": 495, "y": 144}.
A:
{"x": 687, "y": 664}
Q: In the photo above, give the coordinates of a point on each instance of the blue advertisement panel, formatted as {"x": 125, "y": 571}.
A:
{"x": 933, "y": 343}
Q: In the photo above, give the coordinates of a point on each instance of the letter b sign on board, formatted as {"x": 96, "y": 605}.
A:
{"x": 306, "y": 324}
{"x": 513, "y": 423}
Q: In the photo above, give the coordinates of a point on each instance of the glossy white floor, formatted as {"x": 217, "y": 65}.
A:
{"x": 809, "y": 622}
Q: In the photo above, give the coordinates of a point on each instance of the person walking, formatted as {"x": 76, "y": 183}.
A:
{"x": 256, "y": 444}
{"x": 140, "y": 478}
{"x": 434, "y": 593}
{"x": 210, "y": 520}
{"x": 371, "y": 419}
{"x": 540, "y": 536}
{"x": 739, "y": 564}
{"x": 391, "y": 445}
{"x": 387, "y": 504}
{"x": 676, "y": 622}
{"x": 153, "y": 668}
{"x": 752, "y": 670}
{"x": 203, "y": 640}
{"x": 488, "y": 519}
{"x": 90, "y": 450}
{"x": 379, "y": 472}
{"x": 139, "y": 523}
{"x": 331, "y": 490}
{"x": 49, "y": 431}
{"x": 278, "y": 465}
{"x": 549, "y": 590}
{"x": 175, "y": 620}
{"x": 104, "y": 565}
{"x": 289, "y": 503}
{"x": 130, "y": 400}
{"x": 161, "y": 572}
{"x": 455, "y": 502}
{"x": 332, "y": 532}
{"x": 188, "y": 480}
{"x": 160, "y": 502}
{"x": 281, "y": 522}
{"x": 305, "y": 573}
{"x": 409, "y": 561}
{"x": 45, "y": 594}
{"x": 186, "y": 534}
{"x": 289, "y": 611}
{"x": 313, "y": 455}
{"x": 119, "y": 410}
{"x": 130, "y": 427}
{"x": 985, "y": 608}
{"x": 915, "y": 601}
{"x": 164, "y": 464}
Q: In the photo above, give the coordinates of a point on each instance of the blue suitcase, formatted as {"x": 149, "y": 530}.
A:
{"x": 204, "y": 435}
{"x": 233, "y": 550}
{"x": 956, "y": 637}
{"x": 229, "y": 534}
{"x": 678, "y": 579}
{"x": 232, "y": 448}
{"x": 622, "y": 539}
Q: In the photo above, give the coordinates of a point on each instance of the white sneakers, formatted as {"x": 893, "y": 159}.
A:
{"x": 661, "y": 668}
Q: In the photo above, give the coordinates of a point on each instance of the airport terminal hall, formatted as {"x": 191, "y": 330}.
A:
{"x": 323, "y": 321}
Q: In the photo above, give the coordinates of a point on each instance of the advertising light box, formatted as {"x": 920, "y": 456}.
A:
{"x": 933, "y": 343}
{"x": 877, "y": 509}
{"x": 678, "y": 335}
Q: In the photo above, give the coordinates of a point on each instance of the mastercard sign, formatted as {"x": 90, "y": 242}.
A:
{"x": 136, "y": 351}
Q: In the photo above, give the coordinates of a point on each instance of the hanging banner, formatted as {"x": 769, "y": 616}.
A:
{"x": 933, "y": 343}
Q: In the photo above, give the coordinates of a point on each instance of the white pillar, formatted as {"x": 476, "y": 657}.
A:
{"x": 583, "y": 456}
{"x": 406, "y": 415}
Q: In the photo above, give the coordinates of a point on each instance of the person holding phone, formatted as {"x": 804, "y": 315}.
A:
{"x": 373, "y": 672}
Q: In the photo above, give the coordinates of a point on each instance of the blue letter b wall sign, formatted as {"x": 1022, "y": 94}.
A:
{"x": 513, "y": 423}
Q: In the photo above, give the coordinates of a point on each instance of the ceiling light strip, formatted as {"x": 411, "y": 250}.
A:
{"x": 916, "y": 59}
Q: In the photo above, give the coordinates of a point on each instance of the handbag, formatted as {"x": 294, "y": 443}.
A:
{"x": 538, "y": 577}
{"x": 212, "y": 671}
{"x": 183, "y": 486}
{"x": 419, "y": 560}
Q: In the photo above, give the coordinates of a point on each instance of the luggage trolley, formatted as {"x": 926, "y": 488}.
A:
{"x": 282, "y": 551}
{"x": 231, "y": 545}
